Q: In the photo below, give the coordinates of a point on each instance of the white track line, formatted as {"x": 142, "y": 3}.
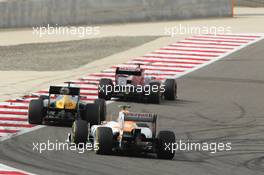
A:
{"x": 181, "y": 53}
{"x": 7, "y": 170}
{"x": 196, "y": 49}
{"x": 177, "y": 56}
{"x": 197, "y": 45}
{"x": 225, "y": 37}
{"x": 196, "y": 41}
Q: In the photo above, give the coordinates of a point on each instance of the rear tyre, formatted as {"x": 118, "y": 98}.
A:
{"x": 165, "y": 138}
{"x": 154, "y": 96}
{"x": 105, "y": 85}
{"x": 104, "y": 140}
{"x": 92, "y": 114}
{"x": 102, "y": 107}
{"x": 36, "y": 112}
{"x": 79, "y": 131}
{"x": 170, "y": 89}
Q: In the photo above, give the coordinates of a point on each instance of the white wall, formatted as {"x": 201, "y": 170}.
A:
{"x": 24, "y": 13}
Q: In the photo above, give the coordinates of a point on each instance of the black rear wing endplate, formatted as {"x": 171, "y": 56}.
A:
{"x": 57, "y": 89}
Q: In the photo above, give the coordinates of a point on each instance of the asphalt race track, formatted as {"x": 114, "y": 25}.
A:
{"x": 220, "y": 102}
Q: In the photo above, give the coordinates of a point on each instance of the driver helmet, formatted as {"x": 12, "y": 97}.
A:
{"x": 64, "y": 91}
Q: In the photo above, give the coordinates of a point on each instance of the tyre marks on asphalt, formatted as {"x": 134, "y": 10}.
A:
{"x": 171, "y": 61}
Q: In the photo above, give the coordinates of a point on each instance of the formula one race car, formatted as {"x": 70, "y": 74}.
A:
{"x": 132, "y": 132}
{"x": 131, "y": 82}
{"x": 63, "y": 104}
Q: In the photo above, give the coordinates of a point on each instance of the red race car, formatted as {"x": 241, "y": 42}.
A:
{"x": 131, "y": 82}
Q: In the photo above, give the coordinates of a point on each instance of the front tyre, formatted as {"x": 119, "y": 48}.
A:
{"x": 104, "y": 140}
{"x": 79, "y": 131}
{"x": 36, "y": 112}
{"x": 102, "y": 108}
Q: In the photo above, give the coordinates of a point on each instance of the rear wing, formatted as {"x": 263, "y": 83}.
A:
{"x": 57, "y": 90}
{"x": 128, "y": 71}
{"x": 141, "y": 117}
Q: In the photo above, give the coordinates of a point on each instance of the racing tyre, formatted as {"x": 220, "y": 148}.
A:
{"x": 79, "y": 131}
{"x": 105, "y": 85}
{"x": 154, "y": 96}
{"x": 104, "y": 140}
{"x": 92, "y": 114}
{"x": 36, "y": 112}
{"x": 102, "y": 107}
{"x": 170, "y": 89}
{"x": 165, "y": 138}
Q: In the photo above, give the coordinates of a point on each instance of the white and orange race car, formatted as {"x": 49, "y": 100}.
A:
{"x": 133, "y": 133}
